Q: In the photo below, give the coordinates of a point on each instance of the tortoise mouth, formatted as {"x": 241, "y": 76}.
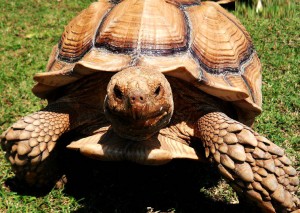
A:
{"x": 141, "y": 128}
{"x": 157, "y": 150}
{"x": 138, "y": 115}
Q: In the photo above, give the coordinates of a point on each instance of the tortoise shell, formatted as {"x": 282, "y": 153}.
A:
{"x": 198, "y": 42}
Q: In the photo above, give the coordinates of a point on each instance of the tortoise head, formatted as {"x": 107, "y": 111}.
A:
{"x": 138, "y": 103}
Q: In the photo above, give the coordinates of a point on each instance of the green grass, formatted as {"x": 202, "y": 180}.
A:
{"x": 277, "y": 42}
{"x": 29, "y": 29}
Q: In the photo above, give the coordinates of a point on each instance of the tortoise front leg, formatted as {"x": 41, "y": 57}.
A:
{"x": 253, "y": 166}
{"x": 29, "y": 141}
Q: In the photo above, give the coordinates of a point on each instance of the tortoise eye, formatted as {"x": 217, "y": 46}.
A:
{"x": 118, "y": 92}
{"x": 157, "y": 91}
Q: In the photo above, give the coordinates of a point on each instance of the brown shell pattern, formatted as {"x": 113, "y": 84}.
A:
{"x": 200, "y": 43}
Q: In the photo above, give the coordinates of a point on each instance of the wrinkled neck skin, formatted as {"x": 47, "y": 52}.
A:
{"x": 190, "y": 104}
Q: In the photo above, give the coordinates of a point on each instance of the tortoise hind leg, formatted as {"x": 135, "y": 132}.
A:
{"x": 253, "y": 166}
{"x": 29, "y": 141}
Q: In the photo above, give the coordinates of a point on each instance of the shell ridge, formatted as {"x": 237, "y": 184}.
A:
{"x": 237, "y": 42}
{"x": 106, "y": 45}
{"x": 187, "y": 30}
{"x": 227, "y": 81}
{"x": 235, "y": 22}
{"x": 224, "y": 70}
{"x": 98, "y": 33}
{"x": 115, "y": 1}
{"x": 252, "y": 96}
{"x": 53, "y": 58}
{"x": 81, "y": 30}
{"x": 140, "y": 47}
{"x": 231, "y": 80}
{"x": 101, "y": 21}
{"x": 189, "y": 41}
{"x": 184, "y": 3}
{"x": 238, "y": 49}
{"x": 247, "y": 62}
{"x": 138, "y": 50}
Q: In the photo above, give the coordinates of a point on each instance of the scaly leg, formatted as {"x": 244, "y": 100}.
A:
{"x": 29, "y": 141}
{"x": 253, "y": 166}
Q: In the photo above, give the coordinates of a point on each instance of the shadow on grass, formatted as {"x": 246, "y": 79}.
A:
{"x": 124, "y": 187}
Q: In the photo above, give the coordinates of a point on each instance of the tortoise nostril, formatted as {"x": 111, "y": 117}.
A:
{"x": 137, "y": 98}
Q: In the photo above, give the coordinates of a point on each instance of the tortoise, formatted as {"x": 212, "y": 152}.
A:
{"x": 147, "y": 81}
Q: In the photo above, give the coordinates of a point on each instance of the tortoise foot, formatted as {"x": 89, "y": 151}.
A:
{"x": 254, "y": 166}
{"x": 30, "y": 141}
